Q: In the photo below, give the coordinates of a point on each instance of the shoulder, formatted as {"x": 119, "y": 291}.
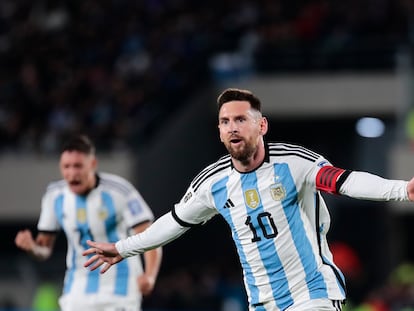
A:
{"x": 217, "y": 169}
{"x": 115, "y": 182}
{"x": 55, "y": 187}
{"x": 279, "y": 150}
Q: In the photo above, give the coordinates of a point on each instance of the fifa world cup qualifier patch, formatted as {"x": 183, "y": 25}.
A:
{"x": 187, "y": 197}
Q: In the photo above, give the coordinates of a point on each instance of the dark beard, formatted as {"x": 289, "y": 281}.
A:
{"x": 243, "y": 155}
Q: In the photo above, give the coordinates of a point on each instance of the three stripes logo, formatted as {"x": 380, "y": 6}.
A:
{"x": 228, "y": 204}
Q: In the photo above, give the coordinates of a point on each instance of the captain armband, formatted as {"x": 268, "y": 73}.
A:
{"x": 329, "y": 179}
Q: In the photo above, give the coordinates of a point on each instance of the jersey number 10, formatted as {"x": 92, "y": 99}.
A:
{"x": 267, "y": 226}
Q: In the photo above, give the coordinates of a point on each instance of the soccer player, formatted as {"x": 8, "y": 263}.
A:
{"x": 270, "y": 195}
{"x": 88, "y": 204}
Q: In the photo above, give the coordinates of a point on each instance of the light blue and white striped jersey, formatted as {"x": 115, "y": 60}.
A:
{"x": 279, "y": 223}
{"x": 107, "y": 213}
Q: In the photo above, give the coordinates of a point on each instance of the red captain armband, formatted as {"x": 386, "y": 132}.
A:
{"x": 328, "y": 177}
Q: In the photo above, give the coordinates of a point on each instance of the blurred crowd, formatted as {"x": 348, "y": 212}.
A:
{"x": 116, "y": 69}
{"x": 107, "y": 68}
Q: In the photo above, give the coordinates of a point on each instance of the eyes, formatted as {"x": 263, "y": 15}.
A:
{"x": 72, "y": 165}
{"x": 238, "y": 120}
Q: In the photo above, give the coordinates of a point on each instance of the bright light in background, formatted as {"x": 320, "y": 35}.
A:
{"x": 370, "y": 127}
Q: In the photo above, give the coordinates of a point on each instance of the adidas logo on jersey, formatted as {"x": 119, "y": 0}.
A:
{"x": 228, "y": 204}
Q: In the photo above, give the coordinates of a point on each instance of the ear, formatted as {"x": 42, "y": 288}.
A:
{"x": 264, "y": 126}
{"x": 94, "y": 163}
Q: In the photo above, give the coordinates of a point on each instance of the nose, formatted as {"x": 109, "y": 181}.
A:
{"x": 233, "y": 128}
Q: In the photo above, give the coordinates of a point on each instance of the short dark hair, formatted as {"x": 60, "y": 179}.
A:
{"x": 81, "y": 143}
{"x": 231, "y": 94}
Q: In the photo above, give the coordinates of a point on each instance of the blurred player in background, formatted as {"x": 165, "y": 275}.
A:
{"x": 269, "y": 194}
{"x": 88, "y": 204}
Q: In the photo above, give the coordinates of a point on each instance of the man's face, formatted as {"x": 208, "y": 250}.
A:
{"x": 241, "y": 129}
{"x": 78, "y": 169}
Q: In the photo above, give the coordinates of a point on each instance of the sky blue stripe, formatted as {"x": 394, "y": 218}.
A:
{"x": 314, "y": 278}
{"x": 59, "y": 210}
{"x": 259, "y": 308}
{"x": 58, "y": 207}
{"x": 82, "y": 225}
{"x": 267, "y": 249}
{"x": 220, "y": 195}
{"x": 122, "y": 269}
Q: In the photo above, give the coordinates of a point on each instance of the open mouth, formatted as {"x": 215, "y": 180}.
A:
{"x": 235, "y": 140}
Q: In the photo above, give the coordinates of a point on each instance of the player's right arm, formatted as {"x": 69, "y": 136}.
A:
{"x": 162, "y": 231}
{"x": 41, "y": 248}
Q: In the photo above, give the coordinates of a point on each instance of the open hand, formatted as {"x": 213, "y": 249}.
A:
{"x": 102, "y": 253}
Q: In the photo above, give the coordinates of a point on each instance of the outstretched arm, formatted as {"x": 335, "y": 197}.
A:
{"x": 363, "y": 185}
{"x": 162, "y": 231}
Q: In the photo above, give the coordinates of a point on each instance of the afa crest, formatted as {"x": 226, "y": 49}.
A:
{"x": 278, "y": 192}
{"x": 103, "y": 213}
{"x": 252, "y": 198}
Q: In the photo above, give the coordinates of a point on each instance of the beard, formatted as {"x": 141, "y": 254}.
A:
{"x": 243, "y": 153}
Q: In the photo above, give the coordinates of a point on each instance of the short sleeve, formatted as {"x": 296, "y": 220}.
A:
{"x": 48, "y": 220}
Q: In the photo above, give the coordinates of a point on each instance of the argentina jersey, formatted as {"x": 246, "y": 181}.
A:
{"x": 278, "y": 221}
{"x": 107, "y": 213}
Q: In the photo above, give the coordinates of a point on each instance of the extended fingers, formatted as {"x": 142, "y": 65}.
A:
{"x": 89, "y": 251}
{"x": 98, "y": 263}
{"x": 106, "y": 267}
{"x": 91, "y": 243}
{"x": 93, "y": 262}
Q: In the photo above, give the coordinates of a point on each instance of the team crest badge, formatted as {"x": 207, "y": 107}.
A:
{"x": 277, "y": 191}
{"x": 103, "y": 213}
{"x": 252, "y": 198}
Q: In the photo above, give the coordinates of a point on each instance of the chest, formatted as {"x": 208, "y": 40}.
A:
{"x": 99, "y": 210}
{"x": 261, "y": 203}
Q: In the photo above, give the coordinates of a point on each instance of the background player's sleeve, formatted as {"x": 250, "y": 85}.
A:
{"x": 48, "y": 220}
{"x": 137, "y": 210}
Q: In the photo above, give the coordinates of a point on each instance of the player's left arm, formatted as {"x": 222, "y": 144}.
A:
{"x": 363, "y": 185}
{"x": 152, "y": 258}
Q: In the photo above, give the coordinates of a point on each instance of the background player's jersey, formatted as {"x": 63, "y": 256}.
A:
{"x": 278, "y": 220}
{"x": 105, "y": 214}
